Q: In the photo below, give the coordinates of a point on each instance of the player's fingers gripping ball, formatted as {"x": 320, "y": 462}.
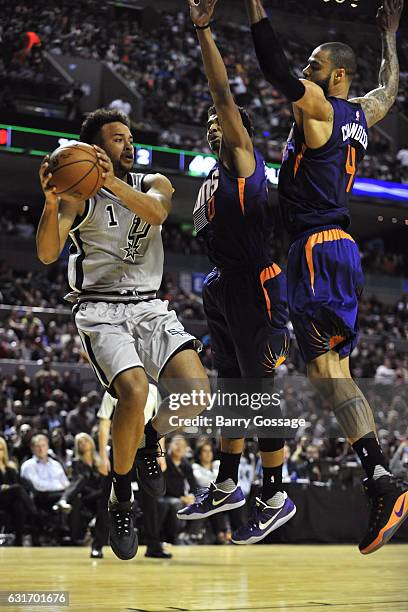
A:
{"x": 76, "y": 171}
{"x": 104, "y": 160}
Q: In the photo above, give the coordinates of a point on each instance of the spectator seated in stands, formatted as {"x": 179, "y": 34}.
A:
{"x": 85, "y": 489}
{"x": 79, "y": 419}
{"x": 385, "y": 374}
{"x": 399, "y": 461}
{"x": 205, "y": 471}
{"x": 59, "y": 450}
{"x": 51, "y": 416}
{"x": 22, "y": 443}
{"x": 46, "y": 476}
{"x": 20, "y": 383}
{"x": 311, "y": 468}
{"x": 180, "y": 484}
{"x": 14, "y": 499}
{"x": 289, "y": 466}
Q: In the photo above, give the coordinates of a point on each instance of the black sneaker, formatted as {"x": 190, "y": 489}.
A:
{"x": 122, "y": 532}
{"x": 389, "y": 509}
{"x": 96, "y": 553}
{"x": 149, "y": 474}
{"x": 157, "y": 553}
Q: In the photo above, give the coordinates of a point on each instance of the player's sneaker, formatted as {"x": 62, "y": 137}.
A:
{"x": 149, "y": 473}
{"x": 122, "y": 533}
{"x": 389, "y": 509}
{"x": 210, "y": 501}
{"x": 264, "y": 520}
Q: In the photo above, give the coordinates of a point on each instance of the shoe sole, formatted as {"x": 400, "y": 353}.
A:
{"x": 279, "y": 523}
{"x": 224, "y": 508}
{"x": 393, "y": 524}
{"x": 130, "y": 555}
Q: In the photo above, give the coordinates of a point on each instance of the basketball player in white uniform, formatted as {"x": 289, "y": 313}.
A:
{"x": 115, "y": 269}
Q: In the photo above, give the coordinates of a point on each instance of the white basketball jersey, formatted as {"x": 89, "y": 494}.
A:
{"x": 113, "y": 249}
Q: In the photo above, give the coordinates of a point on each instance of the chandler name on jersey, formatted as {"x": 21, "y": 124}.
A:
{"x": 315, "y": 184}
{"x": 113, "y": 249}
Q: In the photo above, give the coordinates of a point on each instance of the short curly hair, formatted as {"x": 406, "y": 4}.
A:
{"x": 92, "y": 125}
{"x": 246, "y": 119}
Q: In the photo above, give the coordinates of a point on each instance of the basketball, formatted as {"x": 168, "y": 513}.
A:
{"x": 75, "y": 171}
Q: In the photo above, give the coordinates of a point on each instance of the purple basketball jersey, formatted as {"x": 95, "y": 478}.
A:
{"x": 315, "y": 184}
{"x": 234, "y": 218}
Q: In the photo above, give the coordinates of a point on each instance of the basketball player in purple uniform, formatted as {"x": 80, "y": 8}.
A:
{"x": 327, "y": 142}
{"x": 244, "y": 296}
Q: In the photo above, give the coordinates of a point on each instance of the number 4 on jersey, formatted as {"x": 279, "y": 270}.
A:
{"x": 351, "y": 166}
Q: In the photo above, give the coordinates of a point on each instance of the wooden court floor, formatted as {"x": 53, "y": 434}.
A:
{"x": 214, "y": 579}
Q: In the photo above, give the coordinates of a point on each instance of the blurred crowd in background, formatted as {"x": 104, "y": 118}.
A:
{"x": 164, "y": 67}
{"x": 48, "y": 417}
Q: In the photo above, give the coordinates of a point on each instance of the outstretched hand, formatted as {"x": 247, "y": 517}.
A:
{"x": 201, "y": 11}
{"x": 389, "y": 15}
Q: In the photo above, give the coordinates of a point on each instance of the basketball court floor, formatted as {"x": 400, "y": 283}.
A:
{"x": 214, "y": 579}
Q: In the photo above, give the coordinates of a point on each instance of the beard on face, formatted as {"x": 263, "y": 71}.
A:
{"x": 324, "y": 84}
{"x": 119, "y": 168}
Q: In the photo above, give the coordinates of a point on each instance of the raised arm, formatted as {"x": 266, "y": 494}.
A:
{"x": 305, "y": 95}
{"x": 234, "y": 134}
{"x": 378, "y": 102}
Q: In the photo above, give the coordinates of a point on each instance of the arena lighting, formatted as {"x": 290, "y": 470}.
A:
{"x": 5, "y": 137}
{"x": 201, "y": 165}
{"x": 22, "y": 140}
{"x": 380, "y": 189}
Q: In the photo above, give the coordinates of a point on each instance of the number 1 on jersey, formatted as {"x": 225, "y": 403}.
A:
{"x": 113, "y": 222}
{"x": 351, "y": 165}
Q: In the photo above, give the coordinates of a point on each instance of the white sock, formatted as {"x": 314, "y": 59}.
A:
{"x": 227, "y": 486}
{"x": 379, "y": 471}
{"x": 277, "y": 500}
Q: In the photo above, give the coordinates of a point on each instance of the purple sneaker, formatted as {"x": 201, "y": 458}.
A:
{"x": 264, "y": 520}
{"x": 210, "y": 501}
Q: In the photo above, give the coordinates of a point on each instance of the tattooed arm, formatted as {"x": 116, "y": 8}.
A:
{"x": 378, "y": 102}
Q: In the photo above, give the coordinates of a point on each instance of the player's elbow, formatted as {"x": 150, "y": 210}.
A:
{"x": 157, "y": 215}
{"x": 47, "y": 257}
{"x": 47, "y": 260}
{"x": 221, "y": 94}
